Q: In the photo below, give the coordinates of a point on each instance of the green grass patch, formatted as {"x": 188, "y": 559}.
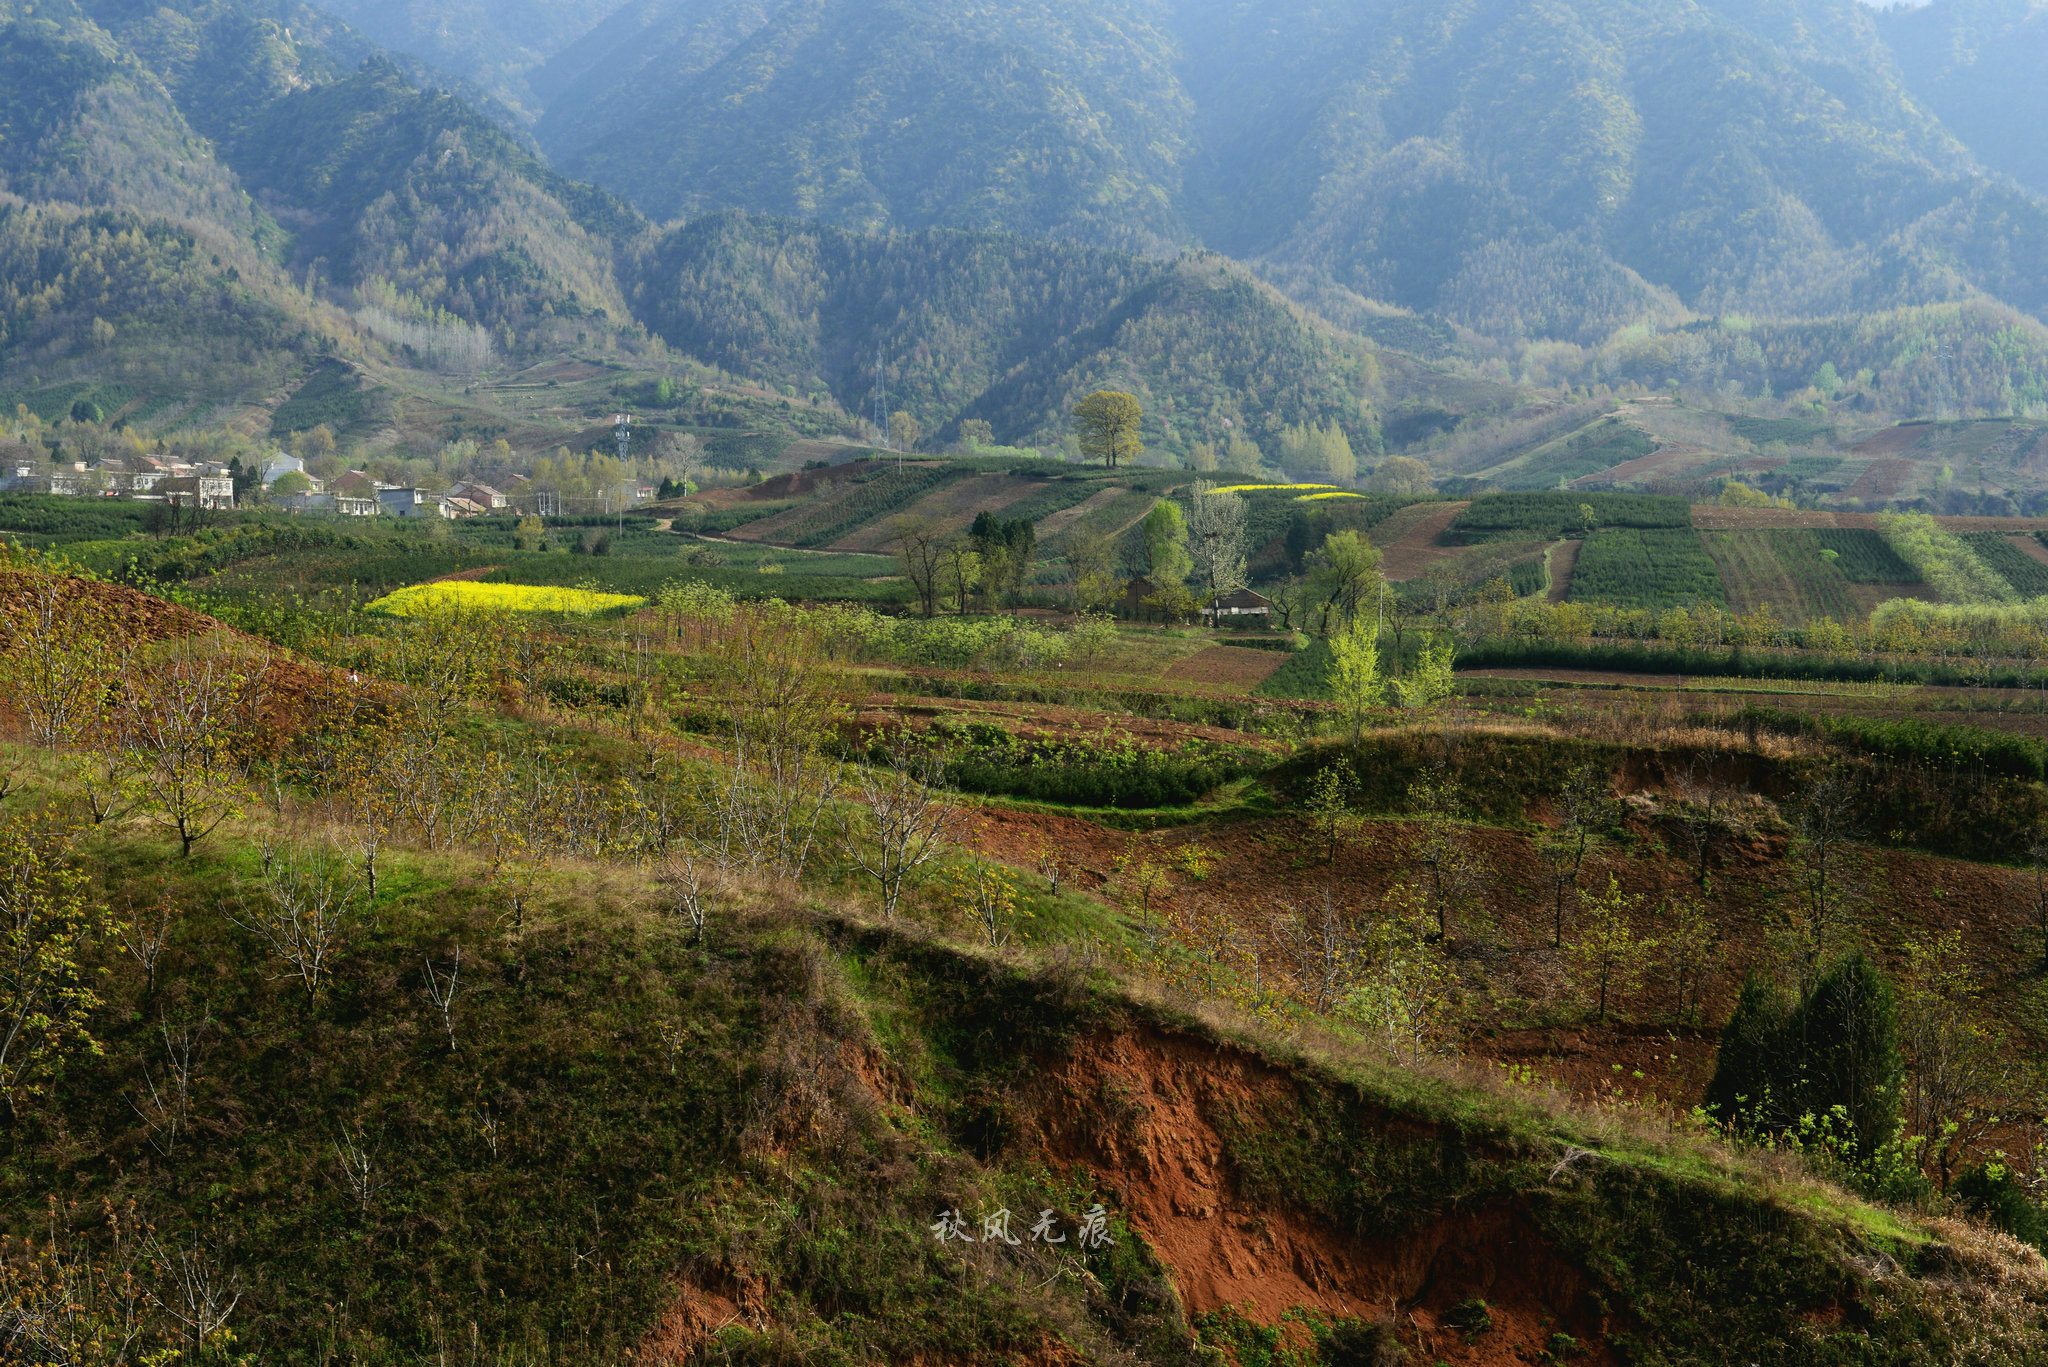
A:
{"x": 1791, "y": 431}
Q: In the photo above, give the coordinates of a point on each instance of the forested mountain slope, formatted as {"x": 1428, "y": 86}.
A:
{"x": 1977, "y": 64}
{"x": 1008, "y": 329}
{"x": 496, "y": 43}
{"x": 1553, "y": 170}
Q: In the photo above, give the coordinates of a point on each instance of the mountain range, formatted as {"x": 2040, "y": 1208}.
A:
{"x": 1254, "y": 216}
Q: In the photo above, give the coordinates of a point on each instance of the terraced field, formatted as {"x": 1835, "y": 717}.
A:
{"x": 953, "y": 504}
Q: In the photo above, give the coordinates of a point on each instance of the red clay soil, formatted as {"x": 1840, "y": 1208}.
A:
{"x": 136, "y": 615}
{"x": 1262, "y": 870}
{"x": 952, "y": 507}
{"x": 465, "y": 576}
{"x": 1169, "y": 1176}
{"x": 1416, "y": 549}
{"x": 296, "y": 695}
{"x": 1230, "y": 666}
{"x": 1883, "y": 479}
{"x": 2031, "y": 545}
{"x": 1894, "y": 441}
{"x": 1665, "y": 460}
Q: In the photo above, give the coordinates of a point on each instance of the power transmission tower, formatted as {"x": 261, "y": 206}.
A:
{"x": 881, "y": 419}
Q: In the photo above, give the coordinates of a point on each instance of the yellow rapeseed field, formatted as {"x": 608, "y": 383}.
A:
{"x": 1334, "y": 493}
{"x": 501, "y": 598}
{"x": 1268, "y": 488}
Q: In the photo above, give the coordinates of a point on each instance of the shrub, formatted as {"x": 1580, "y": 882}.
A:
{"x": 1919, "y": 742}
{"x": 1994, "y": 1192}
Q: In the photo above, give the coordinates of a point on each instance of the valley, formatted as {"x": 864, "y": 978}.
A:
{"x": 884, "y": 683}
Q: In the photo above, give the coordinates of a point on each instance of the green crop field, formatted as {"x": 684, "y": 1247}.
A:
{"x": 1791, "y": 431}
{"x": 646, "y": 576}
{"x": 1865, "y": 557}
{"x": 1055, "y": 496}
{"x": 1787, "y": 571}
{"x": 2028, "y": 576}
{"x": 880, "y": 495}
{"x": 1558, "y": 512}
{"x": 1647, "y": 568}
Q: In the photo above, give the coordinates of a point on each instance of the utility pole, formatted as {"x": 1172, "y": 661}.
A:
{"x": 622, "y": 432}
{"x": 881, "y": 418}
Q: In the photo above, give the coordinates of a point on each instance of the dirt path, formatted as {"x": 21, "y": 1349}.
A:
{"x": 1562, "y": 560}
{"x": 1414, "y": 548}
{"x": 465, "y": 576}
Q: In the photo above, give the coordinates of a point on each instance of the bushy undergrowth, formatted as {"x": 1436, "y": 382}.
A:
{"x": 1110, "y": 770}
{"x": 1911, "y": 741}
{"x": 1736, "y": 662}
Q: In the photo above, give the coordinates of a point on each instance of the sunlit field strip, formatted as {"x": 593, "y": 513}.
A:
{"x": 408, "y": 601}
{"x": 1821, "y": 688}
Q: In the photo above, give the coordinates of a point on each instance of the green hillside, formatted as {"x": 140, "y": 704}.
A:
{"x": 1976, "y": 65}
{"x": 1008, "y": 330}
{"x": 1552, "y": 172}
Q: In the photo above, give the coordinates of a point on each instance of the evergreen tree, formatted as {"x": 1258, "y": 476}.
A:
{"x": 1848, "y": 1035}
{"x": 1750, "y": 1088}
{"x": 1837, "y": 1048}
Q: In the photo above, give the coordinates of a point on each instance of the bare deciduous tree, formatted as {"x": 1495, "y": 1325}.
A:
{"x": 1584, "y": 807}
{"x": 1824, "y": 823}
{"x": 186, "y": 722}
{"x": 695, "y": 877}
{"x": 907, "y": 822}
{"x": 1701, "y": 810}
{"x": 190, "y": 1288}
{"x": 1453, "y": 873}
{"x": 145, "y": 933}
{"x": 165, "y": 1100}
{"x": 357, "y": 1160}
{"x": 441, "y": 991}
{"x": 304, "y": 909}
{"x": 771, "y": 675}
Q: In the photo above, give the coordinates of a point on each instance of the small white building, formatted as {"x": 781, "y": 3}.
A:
{"x": 206, "y": 491}
{"x": 411, "y": 503}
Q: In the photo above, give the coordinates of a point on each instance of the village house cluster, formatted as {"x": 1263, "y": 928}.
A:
{"x": 211, "y": 485}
